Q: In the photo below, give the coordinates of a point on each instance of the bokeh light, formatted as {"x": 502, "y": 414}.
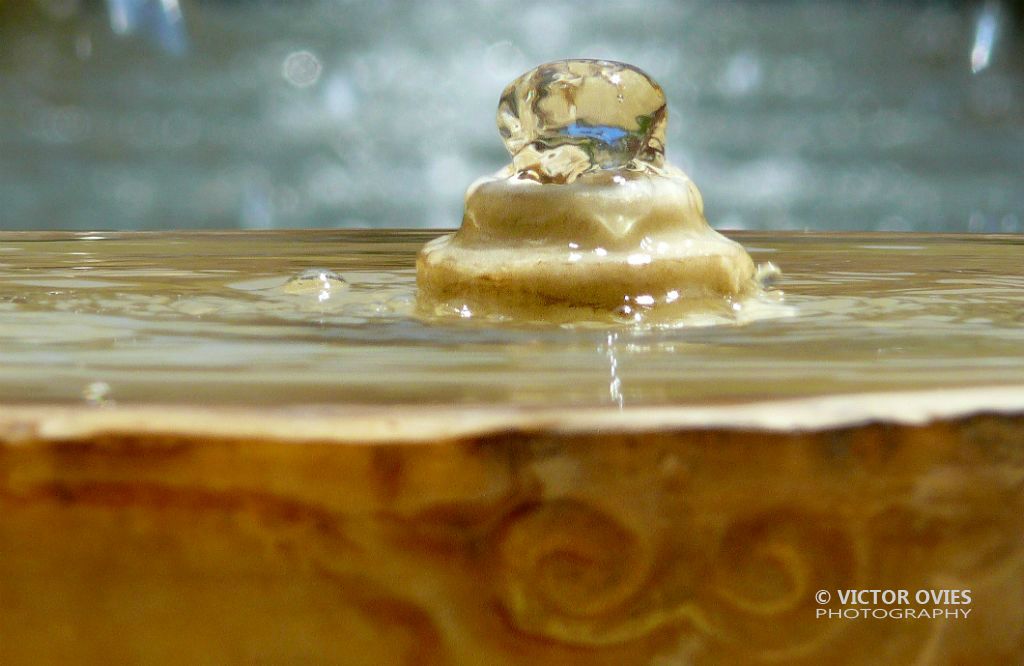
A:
{"x": 155, "y": 114}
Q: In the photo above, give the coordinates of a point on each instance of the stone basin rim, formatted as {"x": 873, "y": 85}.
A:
{"x": 421, "y": 424}
{"x": 762, "y": 235}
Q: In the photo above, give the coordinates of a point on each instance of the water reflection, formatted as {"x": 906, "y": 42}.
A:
{"x": 210, "y": 319}
{"x": 615, "y": 382}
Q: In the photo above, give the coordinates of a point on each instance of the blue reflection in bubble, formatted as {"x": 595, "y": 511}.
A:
{"x": 603, "y": 133}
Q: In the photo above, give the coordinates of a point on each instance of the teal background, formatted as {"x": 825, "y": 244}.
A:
{"x": 788, "y": 115}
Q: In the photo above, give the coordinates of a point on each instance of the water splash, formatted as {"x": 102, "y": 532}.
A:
{"x": 568, "y": 117}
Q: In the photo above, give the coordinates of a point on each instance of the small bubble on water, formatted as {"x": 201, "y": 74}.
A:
{"x": 320, "y": 282}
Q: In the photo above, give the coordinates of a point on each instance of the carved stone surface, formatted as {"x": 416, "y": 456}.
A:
{"x": 129, "y": 542}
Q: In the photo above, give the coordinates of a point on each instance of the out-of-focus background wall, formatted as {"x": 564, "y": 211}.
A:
{"x": 824, "y": 114}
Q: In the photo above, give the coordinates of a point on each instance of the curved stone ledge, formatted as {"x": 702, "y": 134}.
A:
{"x": 642, "y": 536}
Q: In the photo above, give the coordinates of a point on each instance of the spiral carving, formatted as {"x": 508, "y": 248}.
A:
{"x": 761, "y": 595}
{"x": 570, "y": 571}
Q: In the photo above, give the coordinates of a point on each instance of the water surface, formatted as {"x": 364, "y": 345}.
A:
{"x": 217, "y": 318}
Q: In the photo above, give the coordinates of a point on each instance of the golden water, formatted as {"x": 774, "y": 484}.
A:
{"x": 216, "y": 318}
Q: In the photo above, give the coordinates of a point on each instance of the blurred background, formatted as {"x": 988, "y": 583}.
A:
{"x": 823, "y": 114}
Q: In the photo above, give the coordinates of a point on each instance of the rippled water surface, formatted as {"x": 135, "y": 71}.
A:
{"x": 327, "y": 317}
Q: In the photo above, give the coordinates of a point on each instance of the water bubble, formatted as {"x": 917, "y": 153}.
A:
{"x": 570, "y": 116}
{"x": 321, "y": 282}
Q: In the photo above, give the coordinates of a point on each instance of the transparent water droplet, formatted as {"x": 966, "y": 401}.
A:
{"x": 567, "y": 117}
{"x": 320, "y": 282}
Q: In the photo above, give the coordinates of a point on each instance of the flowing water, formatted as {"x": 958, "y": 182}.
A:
{"x": 319, "y": 317}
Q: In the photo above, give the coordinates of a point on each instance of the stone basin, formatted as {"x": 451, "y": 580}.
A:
{"x": 205, "y": 460}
